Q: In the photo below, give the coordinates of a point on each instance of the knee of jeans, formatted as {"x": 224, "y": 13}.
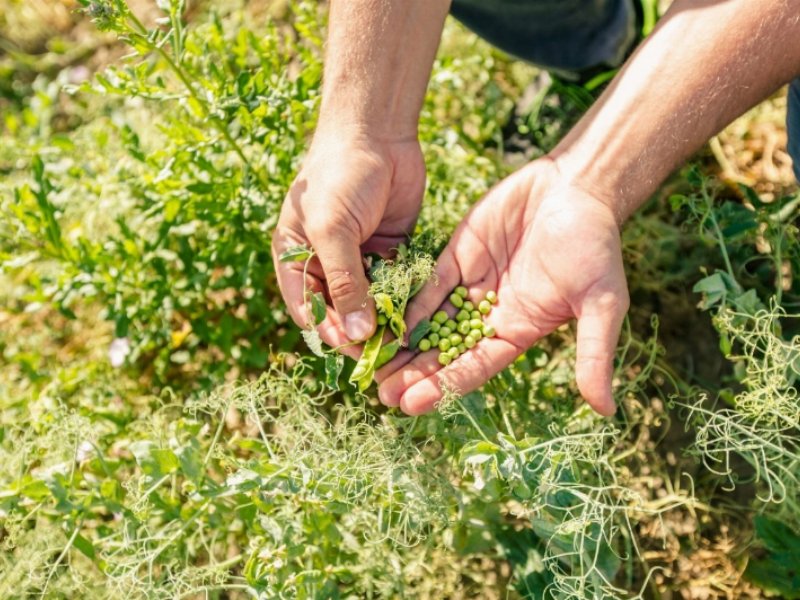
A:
{"x": 793, "y": 125}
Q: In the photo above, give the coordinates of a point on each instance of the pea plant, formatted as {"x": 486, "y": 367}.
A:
{"x": 166, "y": 431}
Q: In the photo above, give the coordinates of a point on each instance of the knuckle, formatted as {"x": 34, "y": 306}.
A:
{"x": 342, "y": 284}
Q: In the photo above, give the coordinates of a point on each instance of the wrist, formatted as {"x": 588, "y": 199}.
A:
{"x": 604, "y": 179}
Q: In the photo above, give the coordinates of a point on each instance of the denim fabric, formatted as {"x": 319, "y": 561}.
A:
{"x": 570, "y": 35}
{"x": 793, "y": 125}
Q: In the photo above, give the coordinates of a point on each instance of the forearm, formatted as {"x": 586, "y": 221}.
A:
{"x": 706, "y": 63}
{"x": 378, "y": 61}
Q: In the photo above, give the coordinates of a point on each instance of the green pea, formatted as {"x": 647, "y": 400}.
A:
{"x": 491, "y": 296}
{"x": 433, "y": 339}
{"x": 455, "y": 339}
{"x": 445, "y": 332}
{"x": 440, "y": 317}
{"x": 382, "y": 320}
{"x": 461, "y": 291}
{"x": 435, "y": 326}
{"x": 469, "y": 341}
{"x": 468, "y": 306}
{"x": 461, "y": 348}
{"x": 464, "y": 327}
{"x": 424, "y": 345}
{"x": 489, "y": 331}
{"x": 453, "y": 352}
{"x": 445, "y": 359}
{"x": 444, "y": 344}
{"x": 476, "y": 323}
{"x": 456, "y": 300}
{"x": 462, "y": 315}
{"x": 475, "y": 314}
{"x": 451, "y": 324}
{"x": 476, "y": 334}
{"x": 484, "y": 307}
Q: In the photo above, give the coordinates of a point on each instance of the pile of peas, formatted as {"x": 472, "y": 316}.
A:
{"x": 453, "y": 337}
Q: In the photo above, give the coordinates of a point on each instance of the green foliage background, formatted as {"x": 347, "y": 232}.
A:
{"x": 137, "y": 206}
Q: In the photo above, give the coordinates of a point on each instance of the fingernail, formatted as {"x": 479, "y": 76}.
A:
{"x": 358, "y": 325}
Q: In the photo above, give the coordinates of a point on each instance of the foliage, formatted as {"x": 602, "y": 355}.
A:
{"x": 162, "y": 434}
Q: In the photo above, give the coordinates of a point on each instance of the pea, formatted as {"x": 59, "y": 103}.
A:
{"x": 484, "y": 307}
{"x": 451, "y": 324}
{"x": 475, "y": 314}
{"x": 491, "y": 296}
{"x": 435, "y": 326}
{"x": 453, "y": 352}
{"x": 434, "y": 339}
{"x": 461, "y": 291}
{"x": 444, "y": 344}
{"x": 424, "y": 345}
{"x": 462, "y": 316}
{"x": 476, "y": 323}
{"x": 464, "y": 327}
{"x": 469, "y": 341}
{"x": 445, "y": 332}
{"x": 382, "y": 320}
{"x": 468, "y": 306}
{"x": 461, "y": 348}
{"x": 455, "y": 339}
{"x": 476, "y": 334}
{"x": 440, "y": 317}
{"x": 445, "y": 359}
{"x": 489, "y": 331}
{"x": 456, "y": 300}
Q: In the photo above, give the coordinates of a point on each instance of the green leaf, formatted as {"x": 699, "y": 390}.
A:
{"x": 334, "y": 363}
{"x": 318, "y": 307}
{"x": 84, "y": 546}
{"x": 154, "y": 462}
{"x": 387, "y": 353}
{"x": 313, "y": 341}
{"x": 296, "y": 254}
{"x": 713, "y": 288}
{"x": 778, "y": 572}
{"x": 420, "y": 331}
{"x": 365, "y": 367}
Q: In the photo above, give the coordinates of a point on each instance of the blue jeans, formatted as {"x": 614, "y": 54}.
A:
{"x": 575, "y": 35}
{"x": 793, "y": 125}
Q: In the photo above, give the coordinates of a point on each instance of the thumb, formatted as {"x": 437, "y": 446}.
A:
{"x": 340, "y": 256}
{"x": 598, "y": 332}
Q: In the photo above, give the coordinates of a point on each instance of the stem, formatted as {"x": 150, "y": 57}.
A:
{"x": 218, "y": 124}
{"x": 720, "y": 238}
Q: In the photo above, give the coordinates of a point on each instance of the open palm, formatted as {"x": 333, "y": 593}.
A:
{"x": 552, "y": 253}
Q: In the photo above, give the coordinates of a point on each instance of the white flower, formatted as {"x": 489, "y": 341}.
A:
{"x": 118, "y": 351}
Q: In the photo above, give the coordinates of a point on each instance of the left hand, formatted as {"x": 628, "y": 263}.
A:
{"x": 551, "y": 251}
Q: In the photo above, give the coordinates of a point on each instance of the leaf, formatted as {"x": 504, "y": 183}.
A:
{"x": 84, "y": 546}
{"x": 296, "y": 254}
{"x": 313, "y": 341}
{"x": 714, "y": 288}
{"x": 318, "y": 307}
{"x": 387, "y": 353}
{"x": 365, "y": 367}
{"x": 777, "y": 572}
{"x": 420, "y": 331}
{"x": 384, "y": 304}
{"x": 334, "y": 363}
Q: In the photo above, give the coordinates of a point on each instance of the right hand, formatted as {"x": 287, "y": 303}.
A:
{"x": 354, "y": 194}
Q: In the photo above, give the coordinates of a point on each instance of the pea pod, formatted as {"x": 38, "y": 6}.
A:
{"x": 387, "y": 353}
{"x": 365, "y": 367}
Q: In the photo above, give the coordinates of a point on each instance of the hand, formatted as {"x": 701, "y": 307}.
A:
{"x": 551, "y": 251}
{"x": 354, "y": 194}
